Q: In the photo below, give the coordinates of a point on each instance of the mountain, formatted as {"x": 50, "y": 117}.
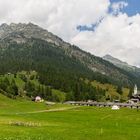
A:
{"x": 30, "y": 47}
{"x": 122, "y": 65}
{"x": 29, "y": 33}
{"x": 59, "y": 66}
{"x": 21, "y": 32}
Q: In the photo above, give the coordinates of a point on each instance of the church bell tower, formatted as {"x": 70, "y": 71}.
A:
{"x": 135, "y": 90}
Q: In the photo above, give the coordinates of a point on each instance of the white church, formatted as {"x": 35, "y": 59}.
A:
{"x": 135, "y": 90}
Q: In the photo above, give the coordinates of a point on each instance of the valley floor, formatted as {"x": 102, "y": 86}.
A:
{"x": 25, "y": 120}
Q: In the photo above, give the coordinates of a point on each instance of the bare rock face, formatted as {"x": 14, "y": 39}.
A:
{"x": 121, "y": 64}
{"x": 23, "y": 31}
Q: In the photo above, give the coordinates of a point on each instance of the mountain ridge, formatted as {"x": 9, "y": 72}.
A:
{"x": 22, "y": 33}
{"x": 121, "y": 64}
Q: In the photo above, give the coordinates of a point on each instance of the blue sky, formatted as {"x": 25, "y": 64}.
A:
{"x": 132, "y": 9}
{"x": 133, "y": 6}
{"x": 116, "y": 33}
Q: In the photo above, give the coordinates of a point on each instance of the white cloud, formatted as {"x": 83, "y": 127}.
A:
{"x": 115, "y": 35}
{"x": 58, "y": 16}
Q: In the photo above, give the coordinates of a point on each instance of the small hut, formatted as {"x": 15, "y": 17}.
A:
{"x": 115, "y": 107}
{"x": 38, "y": 99}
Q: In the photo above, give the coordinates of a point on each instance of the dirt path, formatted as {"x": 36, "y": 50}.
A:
{"x": 49, "y": 110}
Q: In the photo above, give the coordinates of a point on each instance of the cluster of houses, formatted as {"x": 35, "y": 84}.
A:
{"x": 135, "y": 99}
{"x": 135, "y": 96}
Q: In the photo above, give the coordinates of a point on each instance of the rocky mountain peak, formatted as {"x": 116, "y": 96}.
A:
{"x": 3, "y": 26}
{"x": 121, "y": 64}
{"x": 30, "y": 33}
{"x": 21, "y": 31}
{"x": 113, "y": 59}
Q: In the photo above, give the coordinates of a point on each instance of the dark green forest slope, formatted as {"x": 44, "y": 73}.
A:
{"x": 58, "y": 64}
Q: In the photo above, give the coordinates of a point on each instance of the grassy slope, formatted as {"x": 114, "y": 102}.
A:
{"x": 20, "y": 83}
{"x": 83, "y": 123}
{"x": 112, "y": 90}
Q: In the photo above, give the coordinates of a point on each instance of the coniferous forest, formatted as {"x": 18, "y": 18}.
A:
{"x": 55, "y": 70}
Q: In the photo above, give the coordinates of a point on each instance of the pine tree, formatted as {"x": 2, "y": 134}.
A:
{"x": 119, "y": 90}
{"x": 14, "y": 87}
{"x": 130, "y": 92}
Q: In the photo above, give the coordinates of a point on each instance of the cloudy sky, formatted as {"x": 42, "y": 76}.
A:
{"x": 98, "y": 26}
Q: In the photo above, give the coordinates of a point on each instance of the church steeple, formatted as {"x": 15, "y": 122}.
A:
{"x": 135, "y": 90}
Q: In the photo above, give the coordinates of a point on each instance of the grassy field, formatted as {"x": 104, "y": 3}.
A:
{"x": 25, "y": 120}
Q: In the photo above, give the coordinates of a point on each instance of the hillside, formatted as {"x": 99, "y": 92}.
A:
{"x": 26, "y": 85}
{"x": 111, "y": 91}
{"x": 25, "y": 35}
{"x": 58, "y": 64}
{"x": 123, "y": 65}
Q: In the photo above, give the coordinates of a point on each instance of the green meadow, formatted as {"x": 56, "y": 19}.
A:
{"x": 26, "y": 120}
